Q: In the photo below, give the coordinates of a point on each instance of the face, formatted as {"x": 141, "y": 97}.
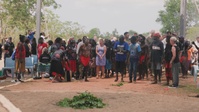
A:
{"x": 121, "y": 39}
{"x": 127, "y": 36}
{"x": 101, "y": 41}
{"x": 86, "y": 41}
{"x": 171, "y": 42}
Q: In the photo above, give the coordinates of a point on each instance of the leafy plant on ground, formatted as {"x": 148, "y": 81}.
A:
{"x": 118, "y": 84}
{"x": 82, "y": 101}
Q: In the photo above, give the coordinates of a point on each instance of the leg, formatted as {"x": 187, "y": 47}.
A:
{"x": 102, "y": 67}
{"x": 135, "y": 70}
{"x": 97, "y": 72}
{"x": 117, "y": 70}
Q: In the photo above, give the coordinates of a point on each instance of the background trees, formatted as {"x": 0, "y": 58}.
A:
{"x": 170, "y": 17}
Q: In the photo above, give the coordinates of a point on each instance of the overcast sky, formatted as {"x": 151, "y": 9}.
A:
{"x": 124, "y": 15}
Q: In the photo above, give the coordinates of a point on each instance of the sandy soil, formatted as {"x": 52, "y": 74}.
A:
{"x": 42, "y": 95}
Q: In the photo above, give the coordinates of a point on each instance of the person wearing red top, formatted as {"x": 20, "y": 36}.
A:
{"x": 20, "y": 55}
{"x": 41, "y": 46}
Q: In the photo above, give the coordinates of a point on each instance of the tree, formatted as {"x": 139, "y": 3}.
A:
{"x": 132, "y": 32}
{"x": 21, "y": 13}
{"x": 94, "y": 32}
{"x": 115, "y": 33}
{"x": 170, "y": 17}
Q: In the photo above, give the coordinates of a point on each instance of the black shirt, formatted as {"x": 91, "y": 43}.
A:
{"x": 176, "y": 60}
{"x": 45, "y": 58}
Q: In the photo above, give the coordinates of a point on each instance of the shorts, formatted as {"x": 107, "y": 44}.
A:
{"x": 120, "y": 66}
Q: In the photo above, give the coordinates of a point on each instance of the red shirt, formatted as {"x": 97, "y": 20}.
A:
{"x": 40, "y": 49}
{"x": 20, "y": 51}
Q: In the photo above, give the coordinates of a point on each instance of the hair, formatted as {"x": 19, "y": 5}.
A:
{"x": 44, "y": 50}
{"x": 6, "y": 47}
{"x": 40, "y": 40}
{"x": 133, "y": 39}
{"x": 27, "y": 41}
{"x": 50, "y": 42}
{"x": 22, "y": 38}
{"x": 58, "y": 40}
{"x": 126, "y": 33}
{"x": 173, "y": 39}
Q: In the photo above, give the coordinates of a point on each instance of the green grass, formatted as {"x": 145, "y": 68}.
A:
{"x": 118, "y": 84}
{"x": 84, "y": 100}
{"x": 191, "y": 88}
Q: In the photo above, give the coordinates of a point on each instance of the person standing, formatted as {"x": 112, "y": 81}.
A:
{"x": 41, "y": 46}
{"x": 157, "y": 50}
{"x": 72, "y": 56}
{"x": 135, "y": 51}
{"x": 174, "y": 63}
{"x": 20, "y": 55}
{"x": 121, "y": 48}
{"x": 11, "y": 45}
{"x": 100, "y": 58}
{"x": 34, "y": 47}
{"x": 84, "y": 55}
{"x": 167, "y": 59}
{"x": 142, "y": 66}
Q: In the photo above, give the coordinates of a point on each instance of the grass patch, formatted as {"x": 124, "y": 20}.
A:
{"x": 191, "y": 88}
{"x": 84, "y": 100}
{"x": 118, "y": 84}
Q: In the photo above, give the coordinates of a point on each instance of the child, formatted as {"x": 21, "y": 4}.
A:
{"x": 66, "y": 66}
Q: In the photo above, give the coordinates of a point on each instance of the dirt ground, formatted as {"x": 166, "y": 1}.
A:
{"x": 42, "y": 95}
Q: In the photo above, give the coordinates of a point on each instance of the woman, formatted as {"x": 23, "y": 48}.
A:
{"x": 100, "y": 58}
{"x": 175, "y": 62}
{"x": 108, "y": 57}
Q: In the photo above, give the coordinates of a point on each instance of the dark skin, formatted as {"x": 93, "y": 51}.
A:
{"x": 85, "y": 50}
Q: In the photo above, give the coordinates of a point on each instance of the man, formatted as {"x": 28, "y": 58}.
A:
{"x": 72, "y": 56}
{"x": 126, "y": 37}
{"x": 79, "y": 67}
{"x": 175, "y": 62}
{"x": 157, "y": 50}
{"x": 11, "y": 45}
{"x": 20, "y": 55}
{"x": 84, "y": 55}
{"x": 134, "y": 58}
{"x": 30, "y": 35}
{"x": 121, "y": 48}
{"x": 127, "y": 62}
{"x": 143, "y": 68}
{"x": 41, "y": 46}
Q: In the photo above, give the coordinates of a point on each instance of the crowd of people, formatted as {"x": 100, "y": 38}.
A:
{"x": 104, "y": 58}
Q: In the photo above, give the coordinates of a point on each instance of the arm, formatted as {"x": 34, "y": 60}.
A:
{"x": 174, "y": 54}
{"x": 96, "y": 51}
{"x": 105, "y": 49}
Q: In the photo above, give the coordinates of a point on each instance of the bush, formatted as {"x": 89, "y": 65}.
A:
{"x": 83, "y": 101}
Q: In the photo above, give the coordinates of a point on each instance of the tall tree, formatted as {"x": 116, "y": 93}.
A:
{"x": 94, "y": 32}
{"x": 170, "y": 17}
{"x": 21, "y": 13}
{"x": 115, "y": 33}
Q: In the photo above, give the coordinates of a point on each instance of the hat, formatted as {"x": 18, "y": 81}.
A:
{"x": 157, "y": 35}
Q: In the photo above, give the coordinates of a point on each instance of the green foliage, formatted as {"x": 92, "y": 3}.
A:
{"x": 94, "y": 32}
{"x": 170, "y": 17}
{"x": 118, "y": 84}
{"x": 83, "y": 101}
{"x": 192, "y": 33}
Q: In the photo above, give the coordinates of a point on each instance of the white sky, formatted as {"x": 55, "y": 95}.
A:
{"x": 124, "y": 15}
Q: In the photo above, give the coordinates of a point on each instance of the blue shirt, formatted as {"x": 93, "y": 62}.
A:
{"x": 31, "y": 36}
{"x": 135, "y": 49}
{"x": 121, "y": 56}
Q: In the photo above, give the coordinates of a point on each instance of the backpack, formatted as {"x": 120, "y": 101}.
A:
{"x": 13, "y": 55}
